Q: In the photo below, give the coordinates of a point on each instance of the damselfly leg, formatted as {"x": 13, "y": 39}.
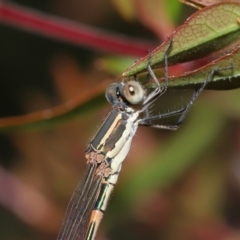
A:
{"x": 147, "y": 120}
{"x": 158, "y": 91}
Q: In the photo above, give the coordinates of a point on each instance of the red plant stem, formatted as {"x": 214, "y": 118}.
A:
{"x": 71, "y": 32}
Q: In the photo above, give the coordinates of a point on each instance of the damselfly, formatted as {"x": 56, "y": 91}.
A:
{"x": 108, "y": 149}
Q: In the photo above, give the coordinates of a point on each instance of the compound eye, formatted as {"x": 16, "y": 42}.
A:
{"x": 112, "y": 93}
{"x": 133, "y": 92}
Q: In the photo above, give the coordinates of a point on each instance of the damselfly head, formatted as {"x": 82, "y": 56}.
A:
{"x": 130, "y": 92}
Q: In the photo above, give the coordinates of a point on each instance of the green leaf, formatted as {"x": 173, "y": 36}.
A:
{"x": 206, "y": 31}
{"x": 222, "y": 79}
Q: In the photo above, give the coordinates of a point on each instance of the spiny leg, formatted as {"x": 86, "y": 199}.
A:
{"x": 158, "y": 91}
{"x": 166, "y": 54}
{"x": 182, "y": 111}
{"x": 146, "y": 121}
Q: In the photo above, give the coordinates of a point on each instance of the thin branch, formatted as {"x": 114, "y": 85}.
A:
{"x": 71, "y": 32}
{"x": 48, "y": 116}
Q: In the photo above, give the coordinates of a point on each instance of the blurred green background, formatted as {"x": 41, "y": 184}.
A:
{"x": 180, "y": 185}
